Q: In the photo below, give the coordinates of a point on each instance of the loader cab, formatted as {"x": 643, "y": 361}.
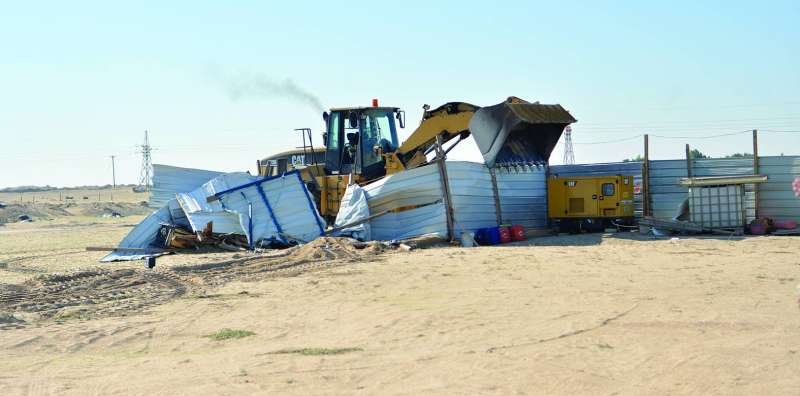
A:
{"x": 356, "y": 137}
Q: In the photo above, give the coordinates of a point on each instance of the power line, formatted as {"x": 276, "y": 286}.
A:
{"x": 612, "y": 141}
{"x": 702, "y": 137}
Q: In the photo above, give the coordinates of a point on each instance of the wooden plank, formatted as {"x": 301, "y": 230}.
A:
{"x": 497, "y": 209}
{"x": 119, "y": 249}
{"x": 440, "y": 161}
{"x": 646, "y": 178}
{"x": 688, "y": 162}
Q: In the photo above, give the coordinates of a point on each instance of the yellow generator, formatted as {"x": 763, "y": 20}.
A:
{"x": 589, "y": 203}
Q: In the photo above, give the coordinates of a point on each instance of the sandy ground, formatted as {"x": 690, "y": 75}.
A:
{"x": 591, "y": 314}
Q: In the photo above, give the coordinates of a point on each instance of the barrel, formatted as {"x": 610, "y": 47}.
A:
{"x": 505, "y": 234}
{"x": 494, "y": 235}
{"x": 517, "y": 233}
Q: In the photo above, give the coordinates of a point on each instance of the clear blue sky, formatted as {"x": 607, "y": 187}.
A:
{"x": 80, "y": 81}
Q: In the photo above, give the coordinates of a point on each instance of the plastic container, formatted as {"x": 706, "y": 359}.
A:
{"x": 758, "y": 229}
{"x": 487, "y": 236}
{"x": 481, "y": 236}
{"x": 517, "y": 233}
{"x": 505, "y": 234}
{"x": 494, "y": 235}
{"x": 467, "y": 239}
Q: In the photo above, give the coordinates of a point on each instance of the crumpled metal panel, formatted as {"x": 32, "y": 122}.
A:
{"x": 413, "y": 187}
{"x": 200, "y": 212}
{"x": 170, "y": 180}
{"x": 522, "y": 193}
{"x": 353, "y": 208}
{"x": 277, "y": 208}
{"x": 141, "y": 237}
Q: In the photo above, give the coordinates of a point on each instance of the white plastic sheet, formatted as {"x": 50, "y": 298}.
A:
{"x": 354, "y": 208}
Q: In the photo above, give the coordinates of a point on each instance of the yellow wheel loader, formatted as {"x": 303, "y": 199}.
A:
{"x": 361, "y": 143}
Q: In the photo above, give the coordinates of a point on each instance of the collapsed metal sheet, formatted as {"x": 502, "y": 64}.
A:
{"x": 292, "y": 216}
{"x": 200, "y": 212}
{"x": 417, "y": 186}
{"x": 170, "y": 180}
{"x": 278, "y": 208}
{"x": 141, "y": 238}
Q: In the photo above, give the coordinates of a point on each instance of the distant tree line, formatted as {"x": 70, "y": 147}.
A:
{"x": 694, "y": 154}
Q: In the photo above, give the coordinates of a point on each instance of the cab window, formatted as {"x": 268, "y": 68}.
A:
{"x": 335, "y": 131}
{"x": 378, "y": 130}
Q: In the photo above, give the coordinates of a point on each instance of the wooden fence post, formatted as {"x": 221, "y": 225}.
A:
{"x": 755, "y": 169}
{"x": 688, "y": 161}
{"x": 646, "y": 178}
{"x": 448, "y": 202}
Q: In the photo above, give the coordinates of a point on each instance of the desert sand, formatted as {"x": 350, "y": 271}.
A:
{"x": 589, "y": 314}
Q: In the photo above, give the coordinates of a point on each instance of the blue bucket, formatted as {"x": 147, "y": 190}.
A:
{"x": 487, "y": 236}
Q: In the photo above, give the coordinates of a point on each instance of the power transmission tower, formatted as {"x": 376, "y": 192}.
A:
{"x": 569, "y": 154}
{"x": 146, "y": 173}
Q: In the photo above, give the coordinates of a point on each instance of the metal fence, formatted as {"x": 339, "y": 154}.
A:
{"x": 776, "y": 197}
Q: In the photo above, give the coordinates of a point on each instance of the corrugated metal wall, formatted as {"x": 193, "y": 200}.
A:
{"x": 776, "y": 197}
{"x": 666, "y": 193}
{"x": 522, "y": 194}
{"x": 607, "y": 169}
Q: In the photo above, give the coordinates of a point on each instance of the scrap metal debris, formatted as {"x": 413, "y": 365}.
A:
{"x": 230, "y": 211}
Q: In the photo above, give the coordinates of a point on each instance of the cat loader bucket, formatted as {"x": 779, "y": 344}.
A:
{"x": 516, "y": 131}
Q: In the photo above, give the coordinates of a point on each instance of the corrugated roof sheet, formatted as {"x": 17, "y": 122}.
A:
{"x": 169, "y": 180}
{"x": 275, "y": 208}
{"x": 141, "y": 237}
{"x": 200, "y": 212}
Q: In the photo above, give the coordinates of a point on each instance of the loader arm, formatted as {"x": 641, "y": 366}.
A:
{"x": 450, "y": 120}
{"x": 510, "y": 132}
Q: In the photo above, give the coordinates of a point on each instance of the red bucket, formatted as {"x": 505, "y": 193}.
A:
{"x": 505, "y": 234}
{"x": 517, "y": 233}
